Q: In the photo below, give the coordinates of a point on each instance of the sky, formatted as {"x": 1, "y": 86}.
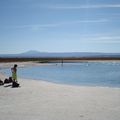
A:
{"x": 59, "y": 26}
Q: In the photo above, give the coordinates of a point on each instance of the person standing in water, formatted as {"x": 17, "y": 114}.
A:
{"x": 14, "y": 73}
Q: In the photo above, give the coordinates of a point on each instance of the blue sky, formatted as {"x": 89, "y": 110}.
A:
{"x": 59, "y": 25}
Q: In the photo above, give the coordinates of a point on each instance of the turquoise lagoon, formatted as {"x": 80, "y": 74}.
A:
{"x": 82, "y": 73}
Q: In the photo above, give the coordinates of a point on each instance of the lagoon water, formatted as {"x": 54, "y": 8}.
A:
{"x": 83, "y": 73}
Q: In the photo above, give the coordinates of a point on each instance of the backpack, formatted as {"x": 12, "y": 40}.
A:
{"x": 15, "y": 84}
{"x": 1, "y": 82}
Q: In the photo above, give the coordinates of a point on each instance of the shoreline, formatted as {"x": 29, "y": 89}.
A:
{"x": 3, "y": 76}
{"x": 56, "y": 59}
{"x": 29, "y": 64}
{"x": 41, "y": 100}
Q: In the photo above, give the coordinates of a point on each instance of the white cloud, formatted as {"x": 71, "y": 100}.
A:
{"x": 93, "y": 21}
{"x": 102, "y": 39}
{"x": 52, "y": 25}
{"x": 33, "y": 27}
{"x": 83, "y": 6}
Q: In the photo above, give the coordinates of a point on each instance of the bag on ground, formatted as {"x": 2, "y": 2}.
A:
{"x": 15, "y": 84}
{"x": 1, "y": 82}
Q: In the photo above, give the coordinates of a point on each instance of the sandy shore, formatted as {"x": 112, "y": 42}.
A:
{"x": 39, "y": 100}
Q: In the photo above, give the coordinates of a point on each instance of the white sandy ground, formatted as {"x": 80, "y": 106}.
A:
{"x": 39, "y": 100}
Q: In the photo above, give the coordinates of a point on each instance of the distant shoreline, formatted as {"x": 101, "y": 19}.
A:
{"x": 60, "y": 59}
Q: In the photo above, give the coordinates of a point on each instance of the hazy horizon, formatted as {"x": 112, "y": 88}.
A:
{"x": 59, "y": 26}
{"x": 58, "y": 52}
{"x": 36, "y": 51}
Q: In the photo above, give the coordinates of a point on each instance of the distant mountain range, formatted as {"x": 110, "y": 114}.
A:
{"x": 33, "y": 53}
